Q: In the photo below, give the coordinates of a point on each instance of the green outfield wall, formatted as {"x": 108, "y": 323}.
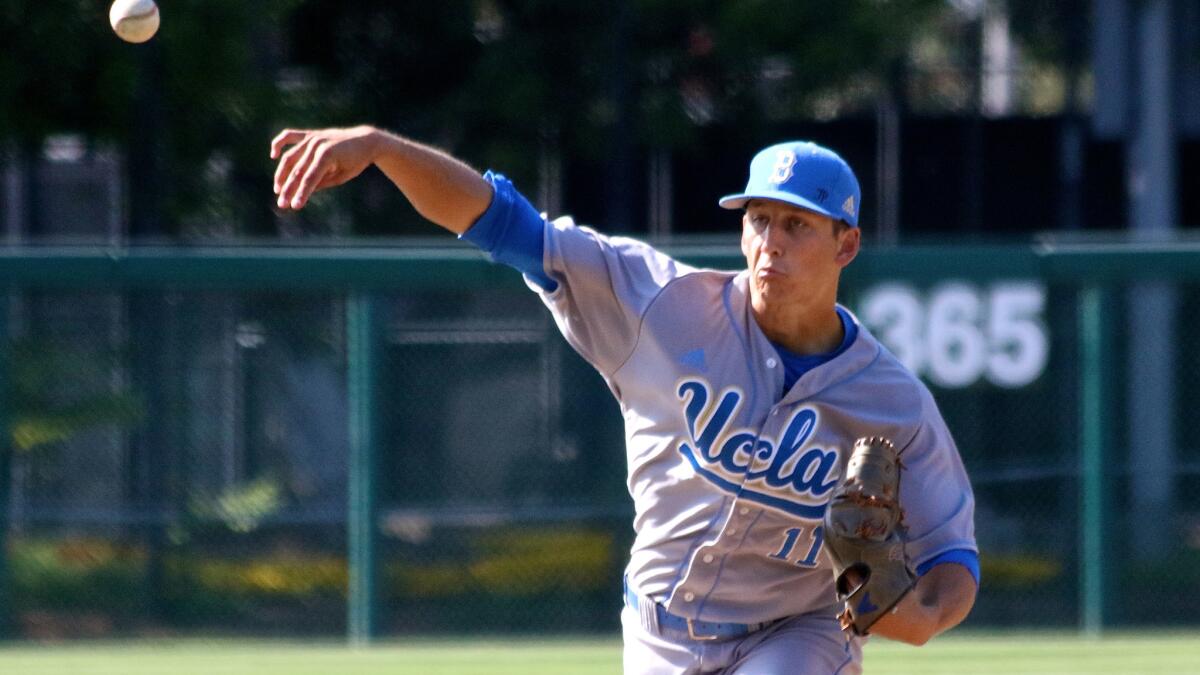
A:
{"x": 393, "y": 439}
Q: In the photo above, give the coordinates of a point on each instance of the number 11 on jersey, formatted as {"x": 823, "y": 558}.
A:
{"x": 816, "y": 535}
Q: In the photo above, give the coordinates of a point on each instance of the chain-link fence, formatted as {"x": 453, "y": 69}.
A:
{"x": 183, "y": 454}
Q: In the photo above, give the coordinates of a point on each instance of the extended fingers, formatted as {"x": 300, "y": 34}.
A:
{"x": 287, "y": 137}
{"x": 307, "y": 156}
{"x": 317, "y": 159}
{"x": 287, "y": 163}
{"x": 318, "y": 168}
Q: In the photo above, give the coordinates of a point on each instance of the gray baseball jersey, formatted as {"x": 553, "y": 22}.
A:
{"x": 729, "y": 474}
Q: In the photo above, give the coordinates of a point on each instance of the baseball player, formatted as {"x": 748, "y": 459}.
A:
{"x": 752, "y": 402}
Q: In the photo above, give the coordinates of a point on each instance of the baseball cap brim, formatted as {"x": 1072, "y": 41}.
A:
{"x": 739, "y": 201}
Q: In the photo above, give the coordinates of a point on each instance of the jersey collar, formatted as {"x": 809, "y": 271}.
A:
{"x": 861, "y": 353}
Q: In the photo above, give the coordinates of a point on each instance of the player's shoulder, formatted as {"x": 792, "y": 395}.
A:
{"x": 639, "y": 251}
{"x": 890, "y": 379}
{"x": 705, "y": 280}
{"x": 695, "y": 288}
{"x": 623, "y": 245}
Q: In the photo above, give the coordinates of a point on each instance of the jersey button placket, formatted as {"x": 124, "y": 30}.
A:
{"x": 702, "y": 576}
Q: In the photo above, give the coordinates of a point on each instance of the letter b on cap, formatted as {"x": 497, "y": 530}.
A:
{"x": 784, "y": 161}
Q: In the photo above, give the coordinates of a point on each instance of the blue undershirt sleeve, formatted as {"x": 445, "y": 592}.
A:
{"x": 962, "y": 556}
{"x": 511, "y": 231}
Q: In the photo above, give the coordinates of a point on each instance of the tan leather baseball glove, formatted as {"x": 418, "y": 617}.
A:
{"x": 864, "y": 536}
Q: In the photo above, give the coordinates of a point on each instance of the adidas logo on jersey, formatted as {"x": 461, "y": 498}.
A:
{"x": 786, "y": 478}
{"x": 694, "y": 359}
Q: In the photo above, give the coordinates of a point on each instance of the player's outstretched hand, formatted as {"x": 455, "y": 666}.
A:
{"x": 319, "y": 159}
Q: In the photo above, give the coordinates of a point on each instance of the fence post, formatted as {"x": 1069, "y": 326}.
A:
{"x": 361, "y": 355}
{"x": 1094, "y": 435}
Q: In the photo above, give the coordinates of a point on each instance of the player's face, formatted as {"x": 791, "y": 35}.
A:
{"x": 793, "y": 254}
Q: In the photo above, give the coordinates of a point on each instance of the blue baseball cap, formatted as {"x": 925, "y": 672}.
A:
{"x": 803, "y": 174}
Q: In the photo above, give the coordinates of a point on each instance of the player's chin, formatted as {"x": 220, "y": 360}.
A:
{"x": 771, "y": 282}
{"x": 767, "y": 294}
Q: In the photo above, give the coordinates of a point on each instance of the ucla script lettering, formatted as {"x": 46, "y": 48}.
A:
{"x": 786, "y": 478}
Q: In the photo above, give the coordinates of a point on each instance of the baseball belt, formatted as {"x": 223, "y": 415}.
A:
{"x": 657, "y": 620}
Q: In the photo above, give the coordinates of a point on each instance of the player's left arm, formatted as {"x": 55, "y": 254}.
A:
{"x": 940, "y": 601}
{"x": 939, "y": 508}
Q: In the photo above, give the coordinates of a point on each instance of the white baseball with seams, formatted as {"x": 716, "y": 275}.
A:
{"x": 134, "y": 20}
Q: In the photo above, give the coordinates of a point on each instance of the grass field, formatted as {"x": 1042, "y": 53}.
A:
{"x": 965, "y": 654}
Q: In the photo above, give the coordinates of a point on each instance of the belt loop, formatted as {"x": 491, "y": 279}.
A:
{"x": 648, "y": 609}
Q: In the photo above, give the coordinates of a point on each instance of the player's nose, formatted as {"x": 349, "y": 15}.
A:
{"x": 769, "y": 241}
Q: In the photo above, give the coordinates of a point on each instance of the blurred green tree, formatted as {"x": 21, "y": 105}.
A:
{"x": 61, "y": 69}
{"x": 184, "y": 106}
{"x": 500, "y": 81}
{"x": 756, "y": 62}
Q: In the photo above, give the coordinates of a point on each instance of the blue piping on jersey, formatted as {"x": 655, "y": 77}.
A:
{"x": 752, "y": 403}
{"x": 695, "y": 544}
{"x": 961, "y": 556}
{"x": 803, "y": 510}
{"x": 642, "y": 322}
{"x": 721, "y": 567}
{"x": 849, "y": 658}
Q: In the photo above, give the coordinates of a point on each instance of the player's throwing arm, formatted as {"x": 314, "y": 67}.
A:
{"x": 440, "y": 187}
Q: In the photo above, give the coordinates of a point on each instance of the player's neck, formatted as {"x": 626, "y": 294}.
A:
{"x": 801, "y": 329}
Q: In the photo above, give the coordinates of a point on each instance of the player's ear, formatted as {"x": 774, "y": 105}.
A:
{"x": 849, "y": 242}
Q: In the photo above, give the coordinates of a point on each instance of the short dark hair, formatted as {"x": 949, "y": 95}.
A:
{"x": 840, "y": 226}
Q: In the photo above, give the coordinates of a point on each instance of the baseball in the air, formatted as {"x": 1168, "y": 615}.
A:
{"x": 134, "y": 20}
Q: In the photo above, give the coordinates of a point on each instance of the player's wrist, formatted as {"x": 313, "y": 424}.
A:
{"x": 374, "y": 141}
